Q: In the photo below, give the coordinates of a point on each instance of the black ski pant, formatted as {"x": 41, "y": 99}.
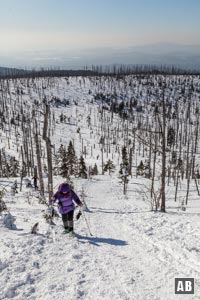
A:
{"x": 68, "y": 220}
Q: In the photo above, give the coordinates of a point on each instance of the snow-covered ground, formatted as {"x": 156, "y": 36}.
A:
{"x": 133, "y": 254}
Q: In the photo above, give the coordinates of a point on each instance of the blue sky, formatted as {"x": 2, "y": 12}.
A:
{"x": 63, "y": 25}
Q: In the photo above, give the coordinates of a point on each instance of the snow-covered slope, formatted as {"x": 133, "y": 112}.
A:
{"x": 133, "y": 253}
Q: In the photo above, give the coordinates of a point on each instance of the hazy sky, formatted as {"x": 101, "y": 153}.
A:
{"x": 78, "y": 32}
{"x": 62, "y": 24}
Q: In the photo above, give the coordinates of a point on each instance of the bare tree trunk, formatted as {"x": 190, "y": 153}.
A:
{"x": 39, "y": 161}
{"x": 130, "y": 161}
{"x": 188, "y": 182}
{"x": 176, "y": 190}
{"x": 49, "y": 165}
{"x": 154, "y": 168}
{"x": 163, "y": 154}
{"x": 197, "y": 186}
{"x": 49, "y": 154}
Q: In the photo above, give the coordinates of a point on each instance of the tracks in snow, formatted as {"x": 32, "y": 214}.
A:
{"x": 132, "y": 255}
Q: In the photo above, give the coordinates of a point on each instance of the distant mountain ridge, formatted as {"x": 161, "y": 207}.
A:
{"x": 169, "y": 54}
{"x": 4, "y": 71}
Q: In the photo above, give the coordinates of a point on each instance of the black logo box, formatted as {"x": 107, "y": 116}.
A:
{"x": 181, "y": 285}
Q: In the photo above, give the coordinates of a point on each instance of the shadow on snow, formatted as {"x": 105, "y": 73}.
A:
{"x": 113, "y": 211}
{"x": 96, "y": 241}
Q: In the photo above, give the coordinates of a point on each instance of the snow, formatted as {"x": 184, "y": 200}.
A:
{"x": 133, "y": 253}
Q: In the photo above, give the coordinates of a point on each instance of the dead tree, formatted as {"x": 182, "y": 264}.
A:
{"x": 39, "y": 163}
{"x": 48, "y": 149}
{"x": 163, "y": 176}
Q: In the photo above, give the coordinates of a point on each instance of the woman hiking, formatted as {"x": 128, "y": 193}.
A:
{"x": 65, "y": 197}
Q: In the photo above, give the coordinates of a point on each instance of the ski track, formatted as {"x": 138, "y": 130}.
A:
{"x": 126, "y": 258}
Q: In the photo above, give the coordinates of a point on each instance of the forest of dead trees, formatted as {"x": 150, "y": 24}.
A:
{"x": 144, "y": 126}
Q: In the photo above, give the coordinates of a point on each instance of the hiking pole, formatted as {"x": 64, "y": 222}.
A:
{"x": 86, "y": 221}
{"x": 86, "y": 206}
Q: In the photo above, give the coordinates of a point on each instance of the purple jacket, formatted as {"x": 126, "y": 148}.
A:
{"x": 65, "y": 196}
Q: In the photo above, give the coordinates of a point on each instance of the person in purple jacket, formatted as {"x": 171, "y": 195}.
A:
{"x": 65, "y": 197}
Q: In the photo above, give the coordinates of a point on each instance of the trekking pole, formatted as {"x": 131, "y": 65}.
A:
{"x": 86, "y": 207}
{"x": 86, "y": 221}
